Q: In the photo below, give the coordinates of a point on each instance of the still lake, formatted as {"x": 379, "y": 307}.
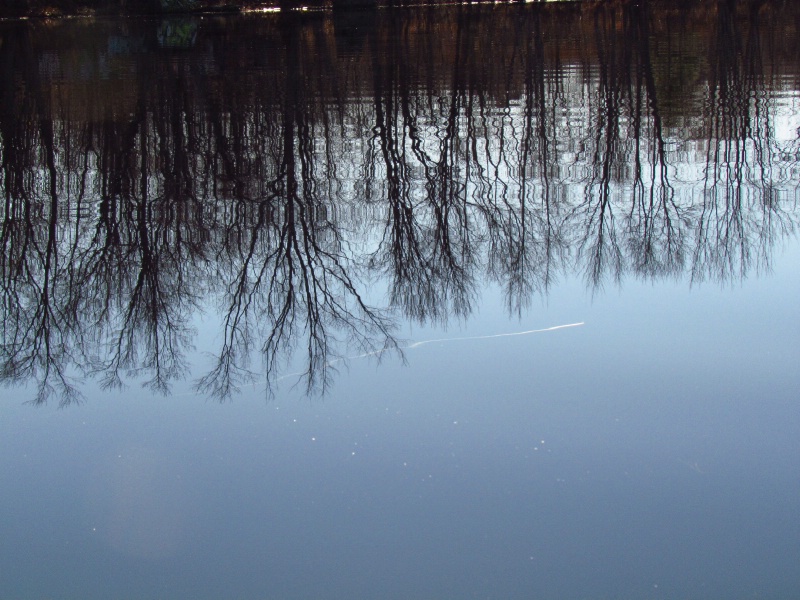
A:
{"x": 487, "y": 301}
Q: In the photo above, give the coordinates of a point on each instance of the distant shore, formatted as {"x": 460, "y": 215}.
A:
{"x": 70, "y": 8}
{"x": 11, "y": 9}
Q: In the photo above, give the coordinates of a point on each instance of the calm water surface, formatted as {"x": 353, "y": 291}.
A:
{"x": 258, "y": 276}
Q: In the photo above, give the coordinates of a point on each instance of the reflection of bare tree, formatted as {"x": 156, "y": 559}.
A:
{"x": 739, "y": 204}
{"x": 294, "y": 278}
{"x": 633, "y": 220}
{"x": 528, "y": 245}
{"x": 402, "y": 254}
{"x": 654, "y": 223}
{"x": 600, "y": 243}
{"x": 426, "y": 153}
{"x": 426, "y": 242}
{"x": 139, "y": 274}
{"x": 36, "y": 290}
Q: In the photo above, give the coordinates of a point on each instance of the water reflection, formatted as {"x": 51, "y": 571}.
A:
{"x": 279, "y": 169}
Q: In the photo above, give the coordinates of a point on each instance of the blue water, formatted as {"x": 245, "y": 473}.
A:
{"x": 648, "y": 451}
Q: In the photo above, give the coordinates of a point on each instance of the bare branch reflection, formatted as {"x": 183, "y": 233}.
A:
{"x": 282, "y": 174}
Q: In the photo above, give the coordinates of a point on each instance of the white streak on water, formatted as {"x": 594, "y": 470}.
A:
{"x": 437, "y": 341}
{"x": 413, "y": 345}
{"x": 489, "y": 337}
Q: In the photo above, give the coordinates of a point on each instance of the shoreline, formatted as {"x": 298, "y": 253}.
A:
{"x": 65, "y": 9}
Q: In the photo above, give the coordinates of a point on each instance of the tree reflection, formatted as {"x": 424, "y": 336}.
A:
{"x": 291, "y": 279}
{"x": 426, "y": 244}
{"x": 740, "y": 214}
{"x": 281, "y": 172}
